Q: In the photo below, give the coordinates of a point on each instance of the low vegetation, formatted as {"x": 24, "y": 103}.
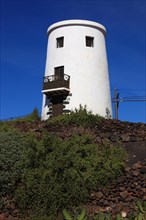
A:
{"x": 12, "y": 145}
{"x": 139, "y": 215}
{"x": 78, "y": 117}
{"x": 8, "y": 125}
{"x": 47, "y": 174}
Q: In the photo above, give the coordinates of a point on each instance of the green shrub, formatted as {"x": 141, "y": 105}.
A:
{"x": 12, "y": 146}
{"x": 34, "y": 116}
{"x": 48, "y": 174}
{"x": 112, "y": 164}
{"x": 79, "y": 117}
{"x": 6, "y": 126}
{"x": 59, "y": 174}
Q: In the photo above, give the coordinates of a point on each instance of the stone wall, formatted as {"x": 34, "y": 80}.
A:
{"x": 120, "y": 197}
{"x": 136, "y": 151}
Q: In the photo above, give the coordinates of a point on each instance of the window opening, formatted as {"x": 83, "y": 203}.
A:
{"x": 89, "y": 41}
{"x": 60, "y": 42}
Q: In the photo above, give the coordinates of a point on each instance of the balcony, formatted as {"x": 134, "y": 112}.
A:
{"x": 56, "y": 85}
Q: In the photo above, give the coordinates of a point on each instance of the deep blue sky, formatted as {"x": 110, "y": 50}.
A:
{"x": 24, "y": 43}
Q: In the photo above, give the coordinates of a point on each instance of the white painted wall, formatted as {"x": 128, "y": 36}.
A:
{"x": 87, "y": 66}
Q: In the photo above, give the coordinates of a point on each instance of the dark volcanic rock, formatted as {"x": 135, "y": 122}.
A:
{"x": 122, "y": 194}
{"x": 99, "y": 195}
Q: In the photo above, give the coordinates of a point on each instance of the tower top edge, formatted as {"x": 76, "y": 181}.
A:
{"x": 86, "y": 23}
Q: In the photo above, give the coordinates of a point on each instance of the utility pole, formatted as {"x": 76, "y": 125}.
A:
{"x": 116, "y": 103}
{"x": 117, "y": 100}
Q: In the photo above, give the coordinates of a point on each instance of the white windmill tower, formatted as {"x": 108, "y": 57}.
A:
{"x": 76, "y": 69}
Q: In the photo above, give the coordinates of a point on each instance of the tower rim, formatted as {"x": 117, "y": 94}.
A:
{"x": 74, "y": 22}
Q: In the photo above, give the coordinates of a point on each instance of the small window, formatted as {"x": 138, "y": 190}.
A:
{"x": 60, "y": 42}
{"x": 89, "y": 41}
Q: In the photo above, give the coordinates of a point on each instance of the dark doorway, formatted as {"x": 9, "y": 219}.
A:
{"x": 59, "y": 72}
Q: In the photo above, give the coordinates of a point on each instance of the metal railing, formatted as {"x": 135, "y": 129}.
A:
{"x": 56, "y": 81}
{"x": 56, "y": 78}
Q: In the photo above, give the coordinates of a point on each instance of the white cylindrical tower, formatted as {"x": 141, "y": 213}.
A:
{"x": 76, "y": 54}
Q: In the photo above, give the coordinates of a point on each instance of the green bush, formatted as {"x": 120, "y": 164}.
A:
{"x": 79, "y": 117}
{"x": 59, "y": 174}
{"x": 6, "y": 126}
{"x": 112, "y": 164}
{"x": 32, "y": 117}
{"x": 12, "y": 146}
{"x": 47, "y": 174}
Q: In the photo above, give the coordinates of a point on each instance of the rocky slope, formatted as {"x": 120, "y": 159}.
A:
{"x": 120, "y": 196}
{"x": 131, "y": 135}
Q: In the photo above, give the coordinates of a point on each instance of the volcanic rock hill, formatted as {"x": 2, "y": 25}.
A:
{"x": 119, "y": 196}
{"x": 131, "y": 135}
